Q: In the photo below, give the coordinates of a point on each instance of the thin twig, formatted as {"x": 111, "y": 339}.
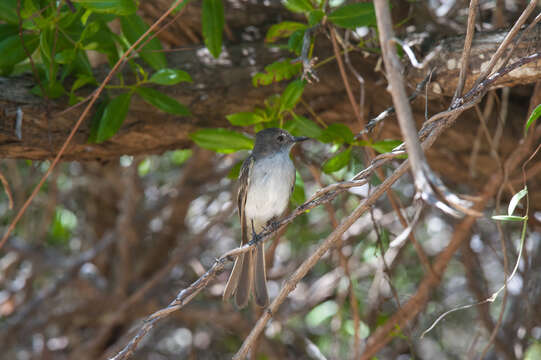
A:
{"x": 351, "y": 98}
{"x": 6, "y": 190}
{"x": 467, "y": 49}
{"x": 506, "y": 41}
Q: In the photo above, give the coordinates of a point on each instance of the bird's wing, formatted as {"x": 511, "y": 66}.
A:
{"x": 244, "y": 183}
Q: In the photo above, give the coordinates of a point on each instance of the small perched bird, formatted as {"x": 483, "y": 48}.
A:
{"x": 266, "y": 181}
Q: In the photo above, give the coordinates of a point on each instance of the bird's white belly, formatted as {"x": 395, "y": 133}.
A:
{"x": 269, "y": 189}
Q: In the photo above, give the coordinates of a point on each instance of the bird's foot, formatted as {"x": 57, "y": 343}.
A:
{"x": 272, "y": 225}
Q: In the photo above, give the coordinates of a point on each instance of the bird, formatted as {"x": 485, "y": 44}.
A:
{"x": 266, "y": 181}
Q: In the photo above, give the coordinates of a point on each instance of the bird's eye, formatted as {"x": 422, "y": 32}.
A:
{"x": 280, "y": 138}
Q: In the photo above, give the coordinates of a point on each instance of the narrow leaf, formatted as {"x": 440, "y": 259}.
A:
{"x": 113, "y": 116}
{"x": 300, "y": 6}
{"x": 244, "y": 118}
{"x": 301, "y": 126}
{"x": 169, "y": 77}
{"x": 291, "y": 95}
{"x": 536, "y": 113}
{"x": 298, "y": 196}
{"x": 222, "y": 140}
{"x": 338, "y": 133}
{"x": 133, "y": 27}
{"x": 235, "y": 171}
{"x": 8, "y": 11}
{"x": 162, "y": 101}
{"x": 117, "y": 7}
{"x": 315, "y": 17}
{"x": 514, "y": 201}
{"x": 277, "y": 71}
{"x": 295, "y": 42}
{"x": 385, "y": 146}
{"x": 12, "y": 51}
{"x": 213, "y": 24}
{"x": 337, "y": 162}
{"x": 354, "y": 15}
{"x": 283, "y": 29}
{"x": 507, "y": 218}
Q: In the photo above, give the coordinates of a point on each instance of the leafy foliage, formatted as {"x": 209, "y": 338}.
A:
{"x": 354, "y": 15}
{"x": 276, "y": 72}
{"x": 536, "y": 113}
{"x": 213, "y": 24}
{"x": 222, "y": 140}
{"x": 57, "y": 40}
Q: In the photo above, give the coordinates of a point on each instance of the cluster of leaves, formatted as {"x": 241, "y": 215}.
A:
{"x": 53, "y": 39}
{"x": 279, "y": 109}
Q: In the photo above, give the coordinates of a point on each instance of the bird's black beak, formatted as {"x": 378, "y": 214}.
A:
{"x": 300, "y": 138}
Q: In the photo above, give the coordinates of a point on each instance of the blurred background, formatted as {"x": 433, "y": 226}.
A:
{"x": 110, "y": 240}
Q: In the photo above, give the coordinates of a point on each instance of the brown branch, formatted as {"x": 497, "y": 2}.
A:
{"x": 467, "y": 48}
{"x": 418, "y": 301}
{"x": 7, "y": 191}
{"x": 507, "y": 40}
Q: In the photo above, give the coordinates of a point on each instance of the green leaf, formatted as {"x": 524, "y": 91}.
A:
{"x": 533, "y": 352}
{"x": 96, "y": 120}
{"x": 133, "y": 27}
{"x": 515, "y": 199}
{"x": 349, "y": 328}
{"x": 337, "y": 162}
{"x": 7, "y": 30}
{"x": 179, "y": 157}
{"x": 81, "y": 81}
{"x": 144, "y": 167}
{"x": 291, "y": 95}
{"x": 315, "y": 17}
{"x": 338, "y": 133}
{"x": 222, "y": 140}
{"x": 508, "y": 218}
{"x": 300, "y": 6}
{"x": 385, "y": 146}
{"x": 354, "y": 15}
{"x": 52, "y": 89}
{"x": 245, "y": 118}
{"x": 301, "y": 126}
{"x": 322, "y": 312}
{"x": 277, "y": 71}
{"x": 283, "y": 29}
{"x": 235, "y": 171}
{"x": 213, "y": 25}
{"x": 169, "y": 77}
{"x": 45, "y": 41}
{"x": 65, "y": 56}
{"x": 298, "y": 196}
{"x": 117, "y": 7}
{"x": 294, "y": 44}
{"x": 162, "y": 101}
{"x": 112, "y": 118}
{"x": 8, "y": 11}
{"x": 62, "y": 225}
{"x": 12, "y": 51}
{"x": 106, "y": 41}
{"x": 536, "y": 113}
